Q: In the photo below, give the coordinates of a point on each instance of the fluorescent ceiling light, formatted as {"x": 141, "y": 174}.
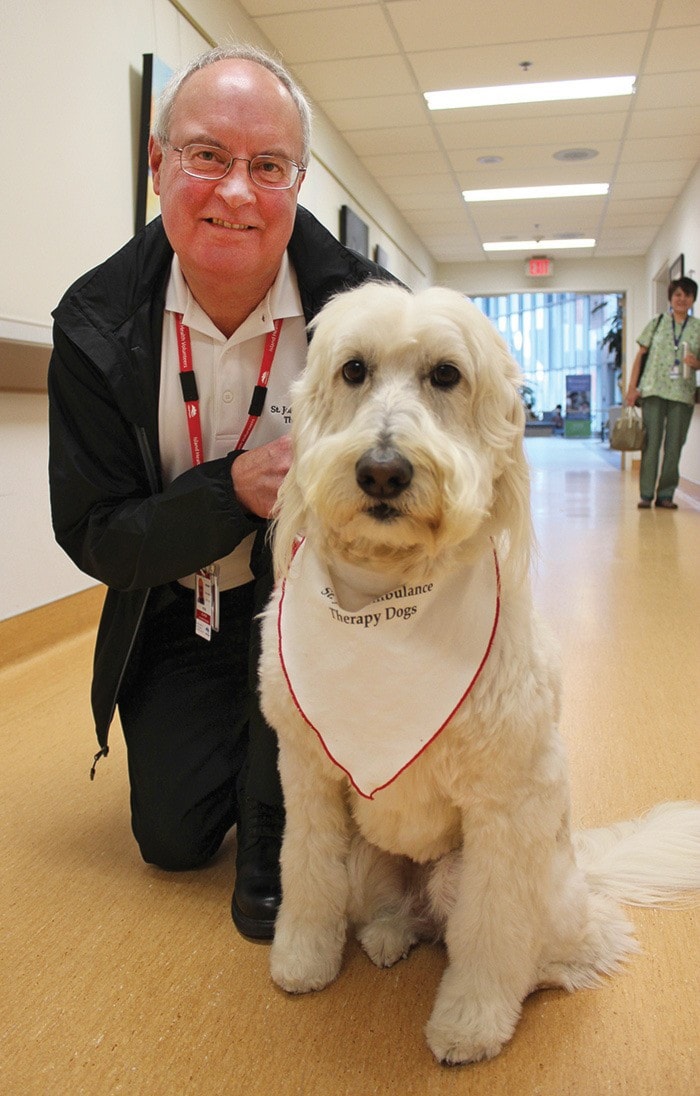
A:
{"x": 530, "y": 93}
{"x": 516, "y": 193}
{"x": 536, "y": 245}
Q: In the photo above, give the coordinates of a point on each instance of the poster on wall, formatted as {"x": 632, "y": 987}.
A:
{"x": 381, "y": 257}
{"x": 578, "y": 405}
{"x": 354, "y": 232}
{"x": 155, "y": 76}
{"x": 675, "y": 270}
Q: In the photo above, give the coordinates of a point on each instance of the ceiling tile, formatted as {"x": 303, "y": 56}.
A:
{"x": 564, "y": 59}
{"x": 301, "y": 37}
{"x": 534, "y": 161}
{"x": 442, "y": 24}
{"x": 287, "y": 7}
{"x": 657, "y": 90}
{"x": 664, "y": 123}
{"x": 371, "y": 113}
{"x": 675, "y": 171}
{"x": 582, "y": 129}
{"x": 646, "y": 186}
{"x": 650, "y": 149}
{"x": 375, "y": 142}
{"x": 675, "y": 50}
{"x": 678, "y": 13}
{"x": 340, "y": 79}
{"x": 405, "y": 164}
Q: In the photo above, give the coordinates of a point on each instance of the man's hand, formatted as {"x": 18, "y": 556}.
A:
{"x": 258, "y": 473}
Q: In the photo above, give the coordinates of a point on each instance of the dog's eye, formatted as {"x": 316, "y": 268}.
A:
{"x": 354, "y": 371}
{"x": 444, "y": 375}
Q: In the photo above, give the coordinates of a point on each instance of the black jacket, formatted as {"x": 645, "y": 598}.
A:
{"x": 110, "y": 511}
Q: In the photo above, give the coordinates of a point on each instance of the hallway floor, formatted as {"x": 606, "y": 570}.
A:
{"x": 118, "y": 978}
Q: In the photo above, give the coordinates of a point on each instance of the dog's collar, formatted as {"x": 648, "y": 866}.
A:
{"x": 379, "y": 684}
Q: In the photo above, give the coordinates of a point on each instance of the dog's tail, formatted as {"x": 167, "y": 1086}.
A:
{"x": 654, "y": 861}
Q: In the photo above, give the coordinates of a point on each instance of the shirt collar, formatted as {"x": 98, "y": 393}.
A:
{"x": 281, "y": 301}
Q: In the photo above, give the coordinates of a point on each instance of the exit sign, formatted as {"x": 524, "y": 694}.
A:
{"x": 539, "y": 267}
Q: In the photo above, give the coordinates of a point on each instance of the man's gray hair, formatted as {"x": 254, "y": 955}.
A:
{"x": 244, "y": 52}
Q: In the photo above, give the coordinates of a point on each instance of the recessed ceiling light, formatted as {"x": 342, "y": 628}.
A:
{"x": 489, "y": 159}
{"x": 530, "y": 93}
{"x": 575, "y": 155}
{"x": 536, "y": 245}
{"x": 516, "y": 193}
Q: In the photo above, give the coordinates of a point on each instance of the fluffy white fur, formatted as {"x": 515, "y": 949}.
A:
{"x": 472, "y": 842}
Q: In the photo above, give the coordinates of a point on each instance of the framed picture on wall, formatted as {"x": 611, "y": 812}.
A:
{"x": 381, "y": 257}
{"x": 675, "y": 270}
{"x": 354, "y": 233}
{"x": 155, "y": 76}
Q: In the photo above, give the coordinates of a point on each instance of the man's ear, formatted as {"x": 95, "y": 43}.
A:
{"x": 155, "y": 159}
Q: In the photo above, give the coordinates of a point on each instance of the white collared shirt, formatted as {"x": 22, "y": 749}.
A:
{"x": 226, "y": 371}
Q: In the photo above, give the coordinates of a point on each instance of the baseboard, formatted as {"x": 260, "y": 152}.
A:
{"x": 690, "y": 489}
{"x": 29, "y": 633}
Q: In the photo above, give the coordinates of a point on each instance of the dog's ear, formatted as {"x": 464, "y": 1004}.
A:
{"x": 499, "y": 411}
{"x": 312, "y": 400}
{"x": 288, "y": 521}
{"x": 511, "y": 513}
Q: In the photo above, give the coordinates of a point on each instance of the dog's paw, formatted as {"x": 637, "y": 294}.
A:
{"x": 302, "y": 960}
{"x": 385, "y": 942}
{"x": 459, "y": 1031}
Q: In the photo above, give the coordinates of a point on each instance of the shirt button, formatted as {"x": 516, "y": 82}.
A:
{"x": 228, "y": 396}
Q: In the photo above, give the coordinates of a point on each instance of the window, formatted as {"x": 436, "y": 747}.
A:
{"x": 552, "y": 334}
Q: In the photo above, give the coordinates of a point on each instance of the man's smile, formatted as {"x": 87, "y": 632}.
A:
{"x": 228, "y": 224}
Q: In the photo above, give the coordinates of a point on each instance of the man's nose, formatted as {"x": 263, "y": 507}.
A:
{"x": 237, "y": 182}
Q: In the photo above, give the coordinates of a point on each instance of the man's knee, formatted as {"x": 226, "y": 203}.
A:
{"x": 177, "y": 847}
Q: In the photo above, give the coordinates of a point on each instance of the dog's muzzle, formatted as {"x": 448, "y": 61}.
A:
{"x": 383, "y": 474}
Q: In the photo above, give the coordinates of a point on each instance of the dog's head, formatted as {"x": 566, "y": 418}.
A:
{"x": 407, "y": 431}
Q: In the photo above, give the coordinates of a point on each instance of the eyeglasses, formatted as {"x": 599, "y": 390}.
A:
{"x": 211, "y": 162}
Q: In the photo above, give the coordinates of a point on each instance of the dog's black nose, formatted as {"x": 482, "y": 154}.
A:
{"x": 383, "y": 473}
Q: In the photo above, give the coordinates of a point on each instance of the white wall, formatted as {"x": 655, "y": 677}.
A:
{"x": 34, "y": 571}
{"x": 680, "y": 235}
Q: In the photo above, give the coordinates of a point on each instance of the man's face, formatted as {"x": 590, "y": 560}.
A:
{"x": 229, "y": 228}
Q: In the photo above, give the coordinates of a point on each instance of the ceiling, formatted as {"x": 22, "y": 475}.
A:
{"x": 366, "y": 64}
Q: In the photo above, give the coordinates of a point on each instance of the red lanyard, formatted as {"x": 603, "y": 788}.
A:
{"x": 191, "y": 396}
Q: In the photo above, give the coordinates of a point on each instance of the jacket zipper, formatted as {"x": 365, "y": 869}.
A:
{"x": 147, "y": 457}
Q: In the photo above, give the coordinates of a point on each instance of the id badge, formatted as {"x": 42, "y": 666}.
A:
{"x": 206, "y": 602}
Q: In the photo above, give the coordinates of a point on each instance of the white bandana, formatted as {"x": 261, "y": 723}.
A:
{"x": 379, "y": 684}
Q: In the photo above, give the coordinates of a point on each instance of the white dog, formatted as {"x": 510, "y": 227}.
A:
{"x": 414, "y": 693}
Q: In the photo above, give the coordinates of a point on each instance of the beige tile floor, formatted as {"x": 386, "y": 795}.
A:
{"x": 116, "y": 978}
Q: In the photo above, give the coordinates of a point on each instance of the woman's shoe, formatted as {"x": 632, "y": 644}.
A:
{"x": 644, "y": 504}
{"x": 666, "y": 504}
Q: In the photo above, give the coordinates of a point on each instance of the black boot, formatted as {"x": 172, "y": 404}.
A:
{"x": 258, "y": 892}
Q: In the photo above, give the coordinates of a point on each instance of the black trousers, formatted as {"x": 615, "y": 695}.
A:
{"x": 196, "y": 739}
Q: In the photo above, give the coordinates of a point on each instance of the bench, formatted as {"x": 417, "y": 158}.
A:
{"x": 537, "y": 428}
